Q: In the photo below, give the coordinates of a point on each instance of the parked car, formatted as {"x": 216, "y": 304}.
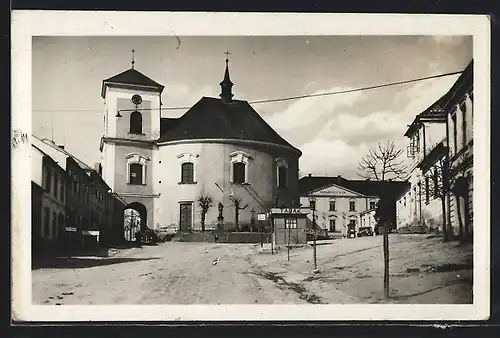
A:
{"x": 365, "y": 231}
{"x": 351, "y": 233}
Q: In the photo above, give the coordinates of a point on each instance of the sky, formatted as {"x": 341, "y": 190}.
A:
{"x": 333, "y": 132}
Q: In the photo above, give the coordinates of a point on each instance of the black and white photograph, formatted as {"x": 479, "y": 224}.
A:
{"x": 228, "y": 169}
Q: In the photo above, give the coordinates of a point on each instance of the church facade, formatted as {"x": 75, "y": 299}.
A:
{"x": 220, "y": 150}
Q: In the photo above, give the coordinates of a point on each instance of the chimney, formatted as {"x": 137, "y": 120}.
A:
{"x": 310, "y": 175}
{"x": 61, "y": 147}
{"x": 367, "y": 179}
{"x": 339, "y": 179}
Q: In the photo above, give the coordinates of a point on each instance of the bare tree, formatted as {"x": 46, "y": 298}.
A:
{"x": 205, "y": 202}
{"x": 383, "y": 163}
{"x": 441, "y": 186}
{"x": 238, "y": 206}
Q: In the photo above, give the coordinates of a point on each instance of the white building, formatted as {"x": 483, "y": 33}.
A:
{"x": 220, "y": 148}
{"x": 460, "y": 115}
{"x": 340, "y": 202}
{"x": 421, "y": 204}
{"x": 448, "y": 121}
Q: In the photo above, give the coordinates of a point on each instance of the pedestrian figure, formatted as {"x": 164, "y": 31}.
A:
{"x": 216, "y": 238}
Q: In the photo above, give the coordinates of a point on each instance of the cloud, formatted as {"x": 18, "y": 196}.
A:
{"x": 320, "y": 157}
{"x": 309, "y": 110}
{"x": 341, "y": 143}
{"x": 449, "y": 40}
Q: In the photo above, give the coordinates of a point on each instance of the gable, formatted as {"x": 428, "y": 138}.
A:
{"x": 335, "y": 191}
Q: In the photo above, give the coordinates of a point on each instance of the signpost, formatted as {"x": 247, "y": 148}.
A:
{"x": 312, "y": 202}
{"x": 70, "y": 229}
{"x": 261, "y": 217}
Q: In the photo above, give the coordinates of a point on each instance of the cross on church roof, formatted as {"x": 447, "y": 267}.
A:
{"x": 227, "y": 55}
{"x": 133, "y": 60}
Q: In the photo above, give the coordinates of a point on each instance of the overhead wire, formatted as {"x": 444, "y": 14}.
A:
{"x": 289, "y": 98}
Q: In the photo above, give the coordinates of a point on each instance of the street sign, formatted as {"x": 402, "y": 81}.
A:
{"x": 261, "y": 217}
{"x": 70, "y": 229}
{"x": 289, "y": 211}
{"x": 91, "y": 232}
{"x": 314, "y": 232}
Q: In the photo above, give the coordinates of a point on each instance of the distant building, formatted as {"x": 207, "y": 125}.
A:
{"x": 340, "y": 202}
{"x": 220, "y": 148}
{"x": 48, "y": 175}
{"x": 367, "y": 219}
{"x": 88, "y": 202}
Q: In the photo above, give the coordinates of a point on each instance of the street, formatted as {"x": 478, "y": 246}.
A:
{"x": 423, "y": 270}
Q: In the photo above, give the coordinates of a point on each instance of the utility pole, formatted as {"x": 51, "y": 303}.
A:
{"x": 288, "y": 245}
{"x": 312, "y": 203}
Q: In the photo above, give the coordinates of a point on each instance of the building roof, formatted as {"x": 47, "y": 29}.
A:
{"x": 309, "y": 184}
{"x": 131, "y": 77}
{"x": 438, "y": 111}
{"x": 58, "y": 149}
{"x": 211, "y": 118}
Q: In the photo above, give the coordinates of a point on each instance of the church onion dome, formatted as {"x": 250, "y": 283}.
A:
{"x": 131, "y": 78}
{"x": 213, "y": 118}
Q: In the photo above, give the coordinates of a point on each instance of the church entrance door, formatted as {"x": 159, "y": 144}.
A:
{"x": 186, "y": 221}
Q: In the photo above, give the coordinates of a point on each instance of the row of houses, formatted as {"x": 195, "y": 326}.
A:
{"x": 72, "y": 206}
{"x": 343, "y": 205}
{"x": 441, "y": 172}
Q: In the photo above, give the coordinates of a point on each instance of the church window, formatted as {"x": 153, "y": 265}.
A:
{"x": 239, "y": 172}
{"x": 239, "y": 165}
{"x": 282, "y": 172}
{"x": 333, "y": 206}
{"x": 136, "y": 123}
{"x": 136, "y": 168}
{"x": 135, "y": 173}
{"x": 187, "y": 167}
{"x": 352, "y": 205}
{"x": 187, "y": 175}
{"x": 282, "y": 177}
{"x": 373, "y": 204}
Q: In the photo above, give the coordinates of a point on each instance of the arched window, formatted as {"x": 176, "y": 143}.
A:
{"x": 239, "y": 172}
{"x": 282, "y": 172}
{"x": 187, "y": 175}
{"x": 136, "y": 123}
{"x": 136, "y": 168}
{"x": 239, "y": 167}
{"x": 135, "y": 173}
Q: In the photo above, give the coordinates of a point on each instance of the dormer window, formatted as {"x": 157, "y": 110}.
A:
{"x": 136, "y": 123}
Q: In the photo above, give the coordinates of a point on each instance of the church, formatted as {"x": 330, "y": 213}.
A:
{"x": 220, "y": 150}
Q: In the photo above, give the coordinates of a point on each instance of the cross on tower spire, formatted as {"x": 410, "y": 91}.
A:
{"x": 226, "y": 84}
{"x": 133, "y": 59}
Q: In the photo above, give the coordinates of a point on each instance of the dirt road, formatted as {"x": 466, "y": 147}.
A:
{"x": 423, "y": 270}
{"x": 170, "y": 273}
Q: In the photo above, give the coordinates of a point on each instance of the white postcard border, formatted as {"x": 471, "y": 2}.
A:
{"x": 26, "y": 24}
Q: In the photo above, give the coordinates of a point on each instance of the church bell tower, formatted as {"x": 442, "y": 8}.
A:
{"x": 131, "y": 125}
